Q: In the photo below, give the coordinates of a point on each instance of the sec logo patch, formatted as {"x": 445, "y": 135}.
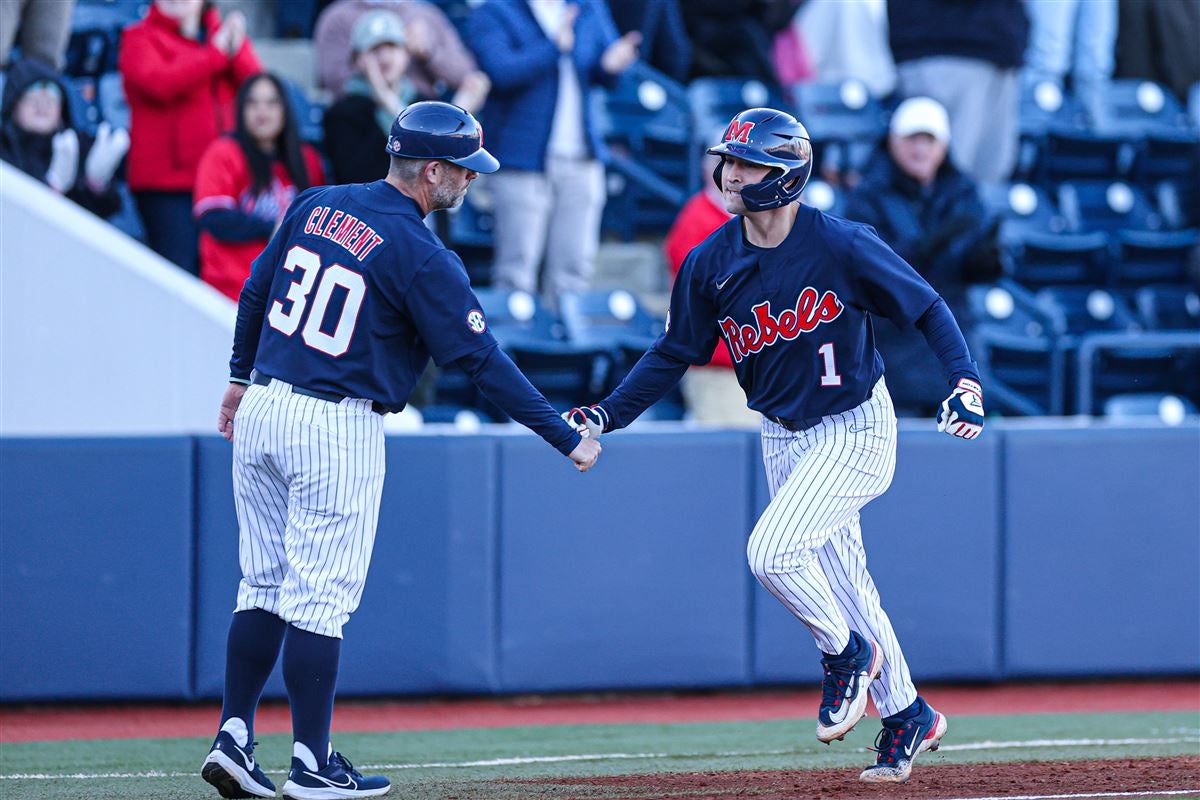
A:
{"x": 475, "y": 321}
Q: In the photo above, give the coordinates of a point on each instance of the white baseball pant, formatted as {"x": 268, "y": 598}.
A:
{"x": 807, "y": 547}
{"x": 307, "y": 481}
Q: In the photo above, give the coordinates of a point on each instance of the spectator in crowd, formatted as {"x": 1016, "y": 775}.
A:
{"x": 712, "y": 392}
{"x": 247, "y": 180}
{"x": 847, "y": 41}
{"x": 356, "y": 126}
{"x": 37, "y": 137}
{"x": 1156, "y": 41}
{"x": 1078, "y": 37}
{"x": 40, "y": 27}
{"x": 735, "y": 37}
{"x": 665, "y": 44}
{"x": 543, "y": 56}
{"x": 181, "y": 67}
{"x": 966, "y": 56}
{"x": 439, "y": 64}
{"x": 930, "y": 213}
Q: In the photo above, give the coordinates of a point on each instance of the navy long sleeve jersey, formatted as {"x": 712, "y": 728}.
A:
{"x": 353, "y": 295}
{"x": 797, "y": 319}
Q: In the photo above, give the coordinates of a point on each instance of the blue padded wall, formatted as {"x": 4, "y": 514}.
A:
{"x": 95, "y": 568}
{"x": 933, "y": 548}
{"x": 1102, "y": 552}
{"x": 427, "y": 619}
{"x": 630, "y": 575}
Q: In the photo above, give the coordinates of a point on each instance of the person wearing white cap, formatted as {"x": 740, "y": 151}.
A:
{"x": 930, "y": 213}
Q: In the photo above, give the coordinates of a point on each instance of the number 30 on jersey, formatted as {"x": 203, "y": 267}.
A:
{"x": 286, "y": 315}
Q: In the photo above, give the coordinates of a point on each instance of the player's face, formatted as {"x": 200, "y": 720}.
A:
{"x": 736, "y": 173}
{"x": 919, "y": 155}
{"x": 263, "y": 112}
{"x": 452, "y": 186}
{"x": 40, "y": 109}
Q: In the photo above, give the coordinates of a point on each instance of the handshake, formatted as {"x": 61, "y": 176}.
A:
{"x": 589, "y": 422}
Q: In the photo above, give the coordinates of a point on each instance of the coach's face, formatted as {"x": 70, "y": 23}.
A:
{"x": 451, "y": 188}
{"x": 736, "y": 174}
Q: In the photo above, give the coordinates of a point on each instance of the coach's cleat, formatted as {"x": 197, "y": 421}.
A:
{"x": 230, "y": 764}
{"x": 902, "y": 740}
{"x": 844, "y": 691}
{"x": 338, "y": 779}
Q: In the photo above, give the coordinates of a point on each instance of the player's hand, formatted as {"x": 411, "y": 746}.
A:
{"x": 229, "y": 407}
{"x": 961, "y": 413}
{"x": 620, "y": 54}
{"x": 588, "y": 421}
{"x": 585, "y": 454}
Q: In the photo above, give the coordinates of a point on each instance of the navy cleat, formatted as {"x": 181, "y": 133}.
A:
{"x": 844, "y": 691}
{"x": 233, "y": 770}
{"x": 339, "y": 779}
{"x": 902, "y": 740}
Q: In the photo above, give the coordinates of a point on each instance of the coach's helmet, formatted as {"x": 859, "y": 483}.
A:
{"x": 440, "y": 131}
{"x": 772, "y": 139}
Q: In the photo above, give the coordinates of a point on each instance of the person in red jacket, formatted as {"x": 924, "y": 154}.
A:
{"x": 247, "y": 180}
{"x": 181, "y": 67}
{"x": 712, "y": 392}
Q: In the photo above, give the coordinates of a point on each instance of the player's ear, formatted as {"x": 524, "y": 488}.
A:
{"x": 432, "y": 171}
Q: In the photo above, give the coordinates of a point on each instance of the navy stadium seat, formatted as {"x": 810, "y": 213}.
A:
{"x": 1135, "y": 107}
{"x": 1035, "y": 259}
{"x": 110, "y": 94}
{"x": 845, "y": 121}
{"x": 96, "y": 34}
{"x": 1105, "y": 205}
{"x": 1169, "y": 308}
{"x": 1044, "y": 107}
{"x": 1014, "y": 341}
{"x": 1153, "y": 256}
{"x": 1169, "y": 408}
{"x": 83, "y": 103}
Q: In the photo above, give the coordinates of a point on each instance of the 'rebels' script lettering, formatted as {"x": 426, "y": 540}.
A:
{"x": 791, "y": 322}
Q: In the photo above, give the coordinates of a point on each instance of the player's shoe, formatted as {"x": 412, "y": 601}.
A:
{"x": 339, "y": 779}
{"x": 233, "y": 770}
{"x": 844, "y": 691}
{"x": 902, "y": 740}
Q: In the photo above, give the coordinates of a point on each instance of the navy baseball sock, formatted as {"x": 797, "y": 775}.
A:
{"x": 310, "y": 667}
{"x": 250, "y": 652}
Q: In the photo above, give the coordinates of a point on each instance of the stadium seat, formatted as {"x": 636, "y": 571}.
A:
{"x": 1179, "y": 203}
{"x": 1168, "y": 408}
{"x": 1014, "y": 342}
{"x": 517, "y": 317}
{"x": 645, "y": 120}
{"x": 1087, "y": 309}
{"x": 1168, "y": 155}
{"x": 824, "y": 197}
{"x": 1194, "y": 104}
{"x": 309, "y": 115}
{"x": 613, "y": 320}
{"x": 1034, "y": 259}
{"x": 1134, "y": 107}
{"x": 1043, "y": 107}
{"x": 83, "y": 102}
{"x": 566, "y": 373}
{"x": 1169, "y": 308}
{"x": 845, "y": 121}
{"x": 1111, "y": 364}
{"x": 110, "y": 94}
{"x": 1153, "y": 256}
{"x": 96, "y": 34}
{"x": 1105, "y": 205}
{"x": 1084, "y": 154}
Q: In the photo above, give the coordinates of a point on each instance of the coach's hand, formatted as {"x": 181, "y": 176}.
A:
{"x": 586, "y": 420}
{"x": 229, "y": 407}
{"x": 961, "y": 413}
{"x": 585, "y": 454}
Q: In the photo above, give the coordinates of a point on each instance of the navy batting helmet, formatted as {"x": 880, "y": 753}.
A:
{"x": 440, "y": 131}
{"x": 772, "y": 139}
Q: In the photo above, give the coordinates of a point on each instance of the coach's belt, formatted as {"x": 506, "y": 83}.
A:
{"x": 265, "y": 380}
{"x": 795, "y": 425}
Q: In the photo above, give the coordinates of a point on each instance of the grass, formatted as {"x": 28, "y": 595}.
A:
{"x": 446, "y": 764}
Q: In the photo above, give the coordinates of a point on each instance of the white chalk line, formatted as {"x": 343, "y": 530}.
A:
{"x": 592, "y": 757}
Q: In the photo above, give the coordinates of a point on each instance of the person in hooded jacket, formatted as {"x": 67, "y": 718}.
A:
{"x": 37, "y": 135}
{"x": 930, "y": 213}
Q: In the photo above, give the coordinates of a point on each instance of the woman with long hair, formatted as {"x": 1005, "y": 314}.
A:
{"x": 246, "y": 181}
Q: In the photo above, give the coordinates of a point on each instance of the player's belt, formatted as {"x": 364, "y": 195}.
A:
{"x": 265, "y": 380}
{"x": 795, "y": 425}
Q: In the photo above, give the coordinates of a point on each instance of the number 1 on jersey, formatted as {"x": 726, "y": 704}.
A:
{"x": 830, "y": 377}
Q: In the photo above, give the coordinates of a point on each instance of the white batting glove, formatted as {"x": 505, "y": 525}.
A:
{"x": 64, "y": 161}
{"x": 588, "y": 421}
{"x": 961, "y": 413}
{"x": 106, "y": 153}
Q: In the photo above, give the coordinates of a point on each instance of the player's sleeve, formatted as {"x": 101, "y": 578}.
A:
{"x": 690, "y": 338}
{"x": 499, "y": 379}
{"x": 885, "y": 284}
{"x": 946, "y": 340}
{"x": 252, "y": 302}
{"x": 445, "y": 311}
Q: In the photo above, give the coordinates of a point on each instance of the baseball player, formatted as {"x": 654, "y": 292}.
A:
{"x": 339, "y": 317}
{"x": 793, "y": 292}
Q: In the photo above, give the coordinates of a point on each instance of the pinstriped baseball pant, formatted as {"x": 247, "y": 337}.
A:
{"x": 807, "y": 547}
{"x": 307, "y": 481}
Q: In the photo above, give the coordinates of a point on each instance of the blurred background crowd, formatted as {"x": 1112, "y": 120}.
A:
{"x": 1038, "y": 161}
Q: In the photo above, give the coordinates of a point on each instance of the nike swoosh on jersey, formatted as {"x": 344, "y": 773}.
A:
{"x": 721, "y": 284}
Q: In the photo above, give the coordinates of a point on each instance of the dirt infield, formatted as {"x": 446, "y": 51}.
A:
{"x": 54, "y": 723}
{"x": 1048, "y": 778}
